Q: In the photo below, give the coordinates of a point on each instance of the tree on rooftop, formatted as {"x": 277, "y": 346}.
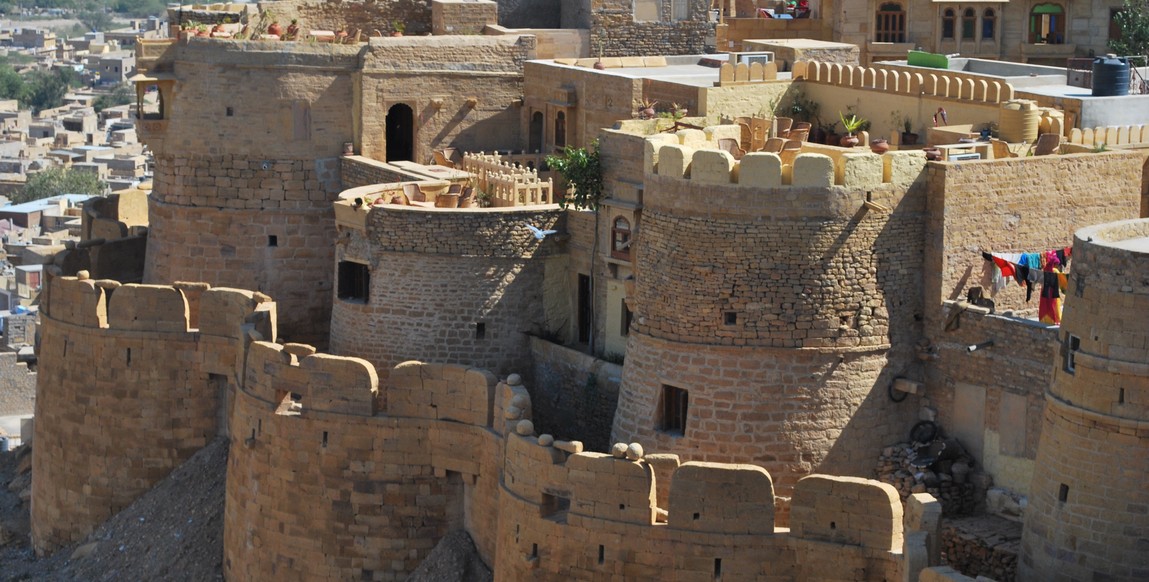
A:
{"x": 55, "y": 181}
{"x": 1133, "y": 21}
{"x": 581, "y": 169}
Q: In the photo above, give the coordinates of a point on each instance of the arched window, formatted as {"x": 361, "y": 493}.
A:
{"x": 988, "y": 24}
{"x": 948, "y": 18}
{"x": 890, "y": 23}
{"x": 1047, "y": 24}
{"x": 620, "y": 238}
{"x": 561, "y": 129}
{"x": 968, "y": 23}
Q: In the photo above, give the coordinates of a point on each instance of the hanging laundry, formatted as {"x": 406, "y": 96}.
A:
{"x": 1053, "y": 283}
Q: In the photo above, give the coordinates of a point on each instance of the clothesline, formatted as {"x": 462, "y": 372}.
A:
{"x": 1030, "y": 268}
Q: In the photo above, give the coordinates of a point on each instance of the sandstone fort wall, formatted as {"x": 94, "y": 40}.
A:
{"x": 242, "y": 195}
{"x": 783, "y": 311}
{"x": 331, "y": 476}
{"x": 462, "y": 286}
{"x": 461, "y": 90}
{"x": 1086, "y": 516}
{"x": 992, "y": 400}
{"x": 1017, "y": 205}
{"x": 126, "y": 394}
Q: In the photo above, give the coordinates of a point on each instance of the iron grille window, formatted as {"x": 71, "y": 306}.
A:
{"x": 891, "y": 23}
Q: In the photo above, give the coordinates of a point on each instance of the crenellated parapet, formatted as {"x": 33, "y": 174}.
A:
{"x": 132, "y": 382}
{"x": 694, "y": 155}
{"x": 947, "y": 84}
{"x": 567, "y": 514}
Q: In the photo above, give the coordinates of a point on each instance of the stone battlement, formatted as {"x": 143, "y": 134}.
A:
{"x": 693, "y": 155}
{"x": 107, "y": 304}
{"x": 934, "y": 84}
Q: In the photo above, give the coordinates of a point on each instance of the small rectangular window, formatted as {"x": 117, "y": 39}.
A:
{"x": 480, "y": 330}
{"x": 1063, "y": 493}
{"x": 1072, "y": 344}
{"x": 673, "y": 409}
{"x": 354, "y": 281}
{"x": 272, "y": 240}
{"x": 730, "y": 318}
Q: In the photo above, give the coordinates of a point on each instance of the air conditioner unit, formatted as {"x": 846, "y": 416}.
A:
{"x": 964, "y": 157}
{"x": 762, "y": 57}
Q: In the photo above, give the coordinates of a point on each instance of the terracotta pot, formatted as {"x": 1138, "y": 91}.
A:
{"x": 909, "y": 139}
{"x": 933, "y": 154}
{"x": 202, "y": 33}
{"x": 879, "y": 146}
{"x": 849, "y": 141}
{"x": 649, "y": 113}
{"x": 293, "y": 31}
{"x": 396, "y": 33}
{"x": 599, "y": 65}
{"x": 275, "y": 29}
{"x": 348, "y": 148}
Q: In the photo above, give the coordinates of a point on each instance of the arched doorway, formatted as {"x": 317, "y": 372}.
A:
{"x": 400, "y": 133}
{"x": 535, "y": 139}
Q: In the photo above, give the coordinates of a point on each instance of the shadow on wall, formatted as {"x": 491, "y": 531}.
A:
{"x": 897, "y": 261}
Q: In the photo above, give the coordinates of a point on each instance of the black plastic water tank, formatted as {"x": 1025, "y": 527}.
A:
{"x": 1110, "y": 76}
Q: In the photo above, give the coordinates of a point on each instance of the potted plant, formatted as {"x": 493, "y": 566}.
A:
{"x": 853, "y": 124}
{"x": 275, "y": 29}
{"x": 293, "y": 29}
{"x": 646, "y": 109}
{"x": 399, "y": 27}
{"x": 903, "y": 125}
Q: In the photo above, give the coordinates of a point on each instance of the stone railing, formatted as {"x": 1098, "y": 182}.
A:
{"x": 742, "y": 74}
{"x": 509, "y": 183}
{"x": 936, "y": 84}
{"x": 1110, "y": 136}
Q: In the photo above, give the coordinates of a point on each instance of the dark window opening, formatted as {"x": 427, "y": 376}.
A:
{"x": 1120, "y": 396}
{"x": 1079, "y": 286}
{"x": 534, "y": 550}
{"x": 325, "y": 439}
{"x": 717, "y": 568}
{"x": 730, "y": 318}
{"x": 948, "y": 18}
{"x": 230, "y": 112}
{"x": 584, "y": 309}
{"x": 672, "y": 410}
{"x": 535, "y": 137}
{"x": 890, "y": 23}
{"x": 1063, "y": 493}
{"x": 561, "y": 129}
{"x": 272, "y": 240}
{"x": 1072, "y": 344}
{"x": 129, "y": 363}
{"x": 601, "y": 554}
{"x": 554, "y": 507}
{"x": 988, "y": 24}
{"x": 480, "y": 330}
{"x": 400, "y": 133}
{"x": 833, "y": 525}
{"x": 968, "y": 24}
{"x": 354, "y": 281}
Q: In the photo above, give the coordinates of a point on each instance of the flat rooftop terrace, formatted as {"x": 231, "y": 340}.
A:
{"x": 690, "y": 70}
